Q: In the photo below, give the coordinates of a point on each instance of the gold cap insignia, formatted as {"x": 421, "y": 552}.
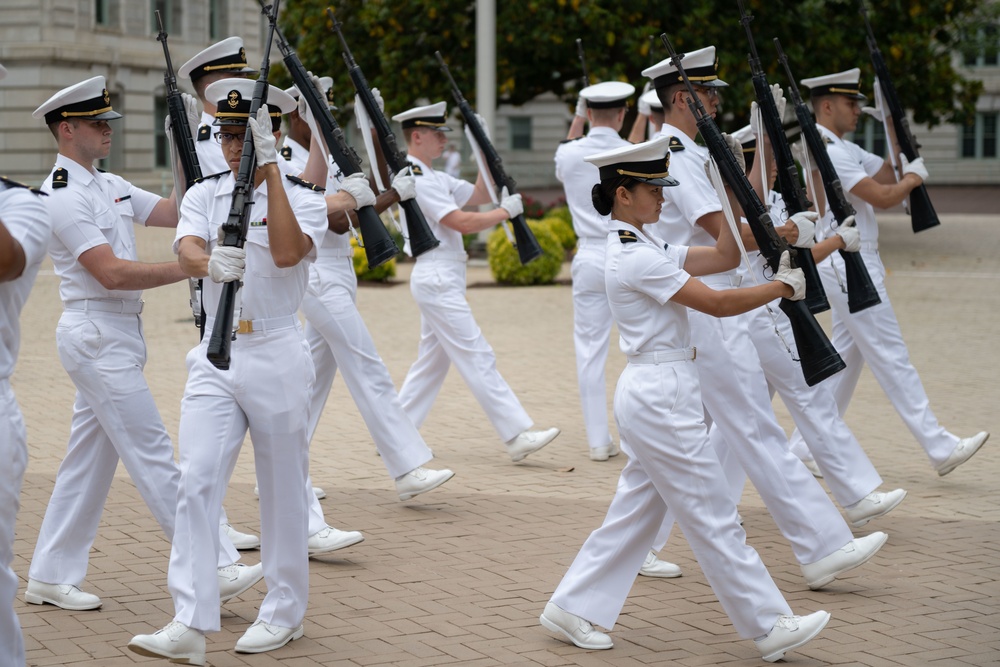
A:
{"x": 233, "y": 99}
{"x": 107, "y": 98}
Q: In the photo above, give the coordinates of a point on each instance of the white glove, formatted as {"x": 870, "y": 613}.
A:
{"x": 511, "y": 203}
{"x": 779, "y": 100}
{"x": 263, "y": 137}
{"x": 227, "y": 263}
{"x": 799, "y": 151}
{"x": 405, "y": 184}
{"x": 916, "y": 167}
{"x": 736, "y": 148}
{"x": 851, "y": 236}
{"x": 486, "y": 128}
{"x": 192, "y": 108}
{"x": 644, "y": 108}
{"x": 378, "y": 100}
{"x": 581, "y": 108}
{"x": 794, "y": 278}
{"x": 805, "y": 222}
{"x": 357, "y": 186}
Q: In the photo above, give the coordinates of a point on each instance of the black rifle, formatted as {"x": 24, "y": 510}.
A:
{"x": 922, "y": 213}
{"x": 819, "y": 359}
{"x": 524, "y": 240}
{"x": 788, "y": 173}
{"x": 378, "y": 244}
{"x": 234, "y": 229}
{"x": 585, "y": 81}
{"x": 861, "y": 292}
{"x": 188, "y": 156}
{"x": 422, "y": 238}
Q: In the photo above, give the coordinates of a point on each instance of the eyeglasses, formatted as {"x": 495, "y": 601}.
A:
{"x": 710, "y": 92}
{"x": 227, "y": 137}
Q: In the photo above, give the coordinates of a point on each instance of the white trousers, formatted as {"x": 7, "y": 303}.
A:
{"x": 449, "y": 335}
{"x": 266, "y": 392}
{"x": 872, "y": 336}
{"x": 13, "y": 462}
{"x": 591, "y": 328}
{"x": 659, "y": 415}
{"x": 338, "y": 338}
{"x": 847, "y": 470}
{"x": 114, "y": 417}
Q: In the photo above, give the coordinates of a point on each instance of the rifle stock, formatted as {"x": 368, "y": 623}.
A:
{"x": 524, "y": 240}
{"x": 819, "y": 359}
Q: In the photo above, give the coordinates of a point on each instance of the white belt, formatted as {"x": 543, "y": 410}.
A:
{"x": 262, "y": 325}
{"x": 337, "y": 252}
{"x": 591, "y": 241}
{"x": 870, "y": 246}
{"x": 444, "y": 256}
{"x": 664, "y": 356}
{"x": 121, "y": 306}
{"x": 726, "y": 280}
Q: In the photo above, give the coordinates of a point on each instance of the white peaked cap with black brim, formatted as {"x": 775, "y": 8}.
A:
{"x": 648, "y": 162}
{"x": 88, "y": 100}
{"x": 847, "y": 83}
{"x": 233, "y": 98}
{"x": 432, "y": 116}
{"x": 701, "y": 67}
{"x": 608, "y": 94}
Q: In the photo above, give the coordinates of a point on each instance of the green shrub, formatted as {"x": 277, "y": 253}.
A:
{"x": 561, "y": 223}
{"x": 381, "y": 273}
{"x": 506, "y": 266}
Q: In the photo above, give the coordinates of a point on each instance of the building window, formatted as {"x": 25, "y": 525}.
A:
{"x": 106, "y": 13}
{"x": 979, "y": 138}
{"x": 170, "y": 10}
{"x": 217, "y": 19}
{"x": 870, "y": 135}
{"x": 161, "y": 148}
{"x": 520, "y": 133}
{"x": 986, "y": 48}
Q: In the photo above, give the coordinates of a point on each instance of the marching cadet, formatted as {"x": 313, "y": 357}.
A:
{"x": 660, "y": 418}
{"x": 736, "y": 396}
{"x": 296, "y": 144}
{"x": 448, "y": 331}
{"x": 25, "y": 227}
{"x": 265, "y": 390}
{"x": 872, "y": 335}
{"x": 101, "y": 346}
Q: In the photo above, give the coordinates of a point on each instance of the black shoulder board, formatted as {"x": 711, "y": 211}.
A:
{"x": 675, "y": 145}
{"x": 204, "y": 133}
{"x": 626, "y": 236}
{"x": 569, "y": 141}
{"x": 11, "y": 183}
{"x": 60, "y": 178}
{"x": 211, "y": 176}
{"x": 103, "y": 171}
{"x": 416, "y": 169}
{"x": 286, "y": 152}
{"x": 304, "y": 183}
{"x": 828, "y": 140}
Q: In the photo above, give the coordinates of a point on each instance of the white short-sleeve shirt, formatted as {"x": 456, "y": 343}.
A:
{"x": 579, "y": 178}
{"x": 692, "y": 198}
{"x": 853, "y": 164}
{"x": 210, "y": 156}
{"x": 438, "y": 194}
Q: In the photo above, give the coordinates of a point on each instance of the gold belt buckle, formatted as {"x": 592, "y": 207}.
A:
{"x": 245, "y": 327}
{"x": 694, "y": 353}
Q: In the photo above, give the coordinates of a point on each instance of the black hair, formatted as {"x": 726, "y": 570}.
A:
{"x": 666, "y": 94}
{"x": 603, "y": 194}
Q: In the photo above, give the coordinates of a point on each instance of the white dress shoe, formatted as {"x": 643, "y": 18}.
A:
{"x": 317, "y": 491}
{"x": 261, "y": 637}
{"x": 421, "y": 480}
{"x": 64, "y": 596}
{"x": 852, "y": 554}
{"x": 242, "y": 541}
{"x": 813, "y": 467}
{"x": 238, "y": 578}
{"x": 604, "y": 453}
{"x": 573, "y": 628}
{"x": 330, "y": 539}
{"x": 529, "y": 442}
{"x": 790, "y": 632}
{"x": 964, "y": 450}
{"x": 176, "y": 642}
{"x": 874, "y": 505}
{"x": 654, "y": 567}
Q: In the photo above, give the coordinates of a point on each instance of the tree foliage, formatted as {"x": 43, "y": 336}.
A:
{"x": 394, "y": 42}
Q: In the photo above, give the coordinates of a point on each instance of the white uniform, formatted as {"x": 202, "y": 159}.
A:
{"x": 591, "y": 315}
{"x": 872, "y": 336}
{"x": 338, "y": 338}
{"x": 671, "y": 464}
{"x": 210, "y": 156}
{"x": 294, "y": 155}
{"x": 735, "y": 394}
{"x": 100, "y": 344}
{"x": 448, "y": 331}
{"x": 266, "y": 391}
{"x": 26, "y": 219}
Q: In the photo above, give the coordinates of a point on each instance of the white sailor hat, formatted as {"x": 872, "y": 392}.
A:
{"x": 648, "y": 162}
{"x": 701, "y": 66}
{"x": 233, "y": 97}
{"x": 88, "y": 100}
{"x": 227, "y": 56}
{"x": 846, "y": 83}
{"x": 608, "y": 94}
{"x": 326, "y": 83}
{"x": 652, "y": 99}
{"x": 431, "y": 116}
{"x": 3, "y": 71}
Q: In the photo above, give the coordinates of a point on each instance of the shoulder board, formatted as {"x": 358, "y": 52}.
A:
{"x": 286, "y": 152}
{"x": 569, "y": 141}
{"x": 204, "y": 133}
{"x": 626, "y": 236}
{"x": 213, "y": 176}
{"x": 675, "y": 145}
{"x": 60, "y": 178}
{"x": 416, "y": 170}
{"x": 304, "y": 183}
{"x": 11, "y": 183}
{"x": 103, "y": 171}
{"x": 828, "y": 140}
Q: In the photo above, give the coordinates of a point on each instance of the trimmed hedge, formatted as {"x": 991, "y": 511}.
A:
{"x": 561, "y": 223}
{"x": 381, "y": 273}
{"x": 506, "y": 266}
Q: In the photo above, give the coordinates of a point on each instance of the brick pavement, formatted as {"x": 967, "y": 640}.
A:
{"x": 459, "y": 576}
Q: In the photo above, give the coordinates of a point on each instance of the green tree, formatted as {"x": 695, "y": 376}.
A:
{"x": 394, "y": 42}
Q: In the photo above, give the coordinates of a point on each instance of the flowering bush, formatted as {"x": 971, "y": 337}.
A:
{"x": 382, "y": 273}
{"x": 506, "y": 265}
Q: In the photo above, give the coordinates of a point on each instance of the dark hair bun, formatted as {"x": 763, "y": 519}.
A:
{"x": 602, "y": 202}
